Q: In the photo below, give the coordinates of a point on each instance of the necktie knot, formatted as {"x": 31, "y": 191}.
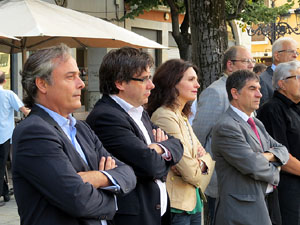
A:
{"x": 251, "y": 123}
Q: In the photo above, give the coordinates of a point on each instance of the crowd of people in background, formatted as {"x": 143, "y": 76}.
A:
{"x": 137, "y": 159}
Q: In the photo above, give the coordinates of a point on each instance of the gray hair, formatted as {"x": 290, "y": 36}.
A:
{"x": 41, "y": 65}
{"x": 282, "y": 71}
{"x": 277, "y": 46}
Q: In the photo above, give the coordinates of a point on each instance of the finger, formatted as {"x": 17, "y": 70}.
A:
{"x": 158, "y": 135}
{"x": 154, "y": 133}
{"x": 102, "y": 163}
{"x": 108, "y": 163}
{"x": 113, "y": 164}
{"x": 166, "y": 137}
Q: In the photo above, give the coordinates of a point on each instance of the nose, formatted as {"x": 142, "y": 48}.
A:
{"x": 150, "y": 85}
{"x": 258, "y": 94}
{"x": 197, "y": 84}
{"x": 80, "y": 83}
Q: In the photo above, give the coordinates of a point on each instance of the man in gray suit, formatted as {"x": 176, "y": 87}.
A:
{"x": 247, "y": 157}
{"x": 213, "y": 102}
{"x": 283, "y": 50}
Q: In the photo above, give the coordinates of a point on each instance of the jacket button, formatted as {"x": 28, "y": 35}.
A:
{"x": 172, "y": 178}
{"x": 157, "y": 206}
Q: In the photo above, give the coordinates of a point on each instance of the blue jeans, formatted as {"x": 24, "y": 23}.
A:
{"x": 185, "y": 219}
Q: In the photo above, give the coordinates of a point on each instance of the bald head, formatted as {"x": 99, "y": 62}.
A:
{"x": 237, "y": 58}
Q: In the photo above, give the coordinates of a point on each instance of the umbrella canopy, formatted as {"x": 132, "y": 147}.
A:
{"x": 6, "y": 36}
{"x": 40, "y": 24}
{"x": 5, "y": 41}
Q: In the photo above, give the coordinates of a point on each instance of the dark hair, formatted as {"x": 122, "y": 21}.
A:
{"x": 259, "y": 67}
{"x": 165, "y": 79}
{"x": 41, "y": 64}
{"x": 238, "y": 80}
{"x": 2, "y": 77}
{"x": 120, "y": 65}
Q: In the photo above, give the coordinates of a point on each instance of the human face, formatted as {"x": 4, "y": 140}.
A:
{"x": 286, "y": 54}
{"x": 248, "y": 98}
{"x": 291, "y": 87}
{"x": 187, "y": 86}
{"x": 136, "y": 92}
{"x": 242, "y": 61}
{"x": 63, "y": 95}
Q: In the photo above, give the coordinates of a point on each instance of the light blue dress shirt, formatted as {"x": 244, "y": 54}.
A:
{"x": 68, "y": 126}
{"x": 9, "y": 102}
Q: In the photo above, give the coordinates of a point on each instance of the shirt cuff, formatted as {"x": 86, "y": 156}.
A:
{"x": 115, "y": 187}
{"x": 166, "y": 155}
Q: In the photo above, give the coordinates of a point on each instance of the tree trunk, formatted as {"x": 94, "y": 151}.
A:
{"x": 182, "y": 37}
{"x": 209, "y": 38}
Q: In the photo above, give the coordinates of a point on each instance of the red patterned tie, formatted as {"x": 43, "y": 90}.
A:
{"x": 253, "y": 127}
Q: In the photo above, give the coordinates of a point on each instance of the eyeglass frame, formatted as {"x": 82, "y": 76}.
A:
{"x": 143, "y": 80}
{"x": 290, "y": 51}
{"x": 248, "y": 61}
{"x": 297, "y": 77}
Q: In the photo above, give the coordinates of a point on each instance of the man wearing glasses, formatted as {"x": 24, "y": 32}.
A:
{"x": 283, "y": 50}
{"x": 213, "y": 102}
{"x": 281, "y": 117}
{"x": 126, "y": 131}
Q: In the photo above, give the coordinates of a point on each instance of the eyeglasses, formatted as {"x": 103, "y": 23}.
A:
{"x": 297, "y": 77}
{"x": 144, "y": 80}
{"x": 244, "y": 61}
{"x": 290, "y": 52}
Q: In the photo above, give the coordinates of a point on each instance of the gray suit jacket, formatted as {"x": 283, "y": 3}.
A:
{"x": 243, "y": 172}
{"x": 213, "y": 102}
{"x": 267, "y": 89}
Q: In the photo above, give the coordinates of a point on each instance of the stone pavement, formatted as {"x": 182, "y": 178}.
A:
{"x": 8, "y": 213}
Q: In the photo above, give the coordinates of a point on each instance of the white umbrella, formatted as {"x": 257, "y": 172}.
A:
{"x": 5, "y": 41}
{"x": 40, "y": 24}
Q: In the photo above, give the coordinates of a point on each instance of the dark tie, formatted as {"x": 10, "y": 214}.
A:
{"x": 253, "y": 127}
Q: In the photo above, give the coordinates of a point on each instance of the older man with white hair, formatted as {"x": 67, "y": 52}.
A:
{"x": 281, "y": 117}
{"x": 283, "y": 50}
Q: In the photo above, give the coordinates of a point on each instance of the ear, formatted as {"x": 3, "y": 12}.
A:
{"x": 234, "y": 93}
{"x": 41, "y": 85}
{"x": 229, "y": 65}
{"x": 281, "y": 84}
{"x": 276, "y": 56}
{"x": 120, "y": 85}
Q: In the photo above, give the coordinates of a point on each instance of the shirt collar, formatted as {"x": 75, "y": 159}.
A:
{"x": 1, "y": 87}
{"x": 59, "y": 119}
{"x": 273, "y": 67}
{"x": 243, "y": 115}
{"x": 128, "y": 107}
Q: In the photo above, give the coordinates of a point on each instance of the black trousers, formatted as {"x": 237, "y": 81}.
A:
{"x": 4, "y": 151}
{"x": 273, "y": 207}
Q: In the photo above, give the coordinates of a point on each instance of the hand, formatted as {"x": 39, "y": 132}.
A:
{"x": 201, "y": 152}
{"x": 203, "y": 166}
{"x": 269, "y": 156}
{"x": 107, "y": 164}
{"x": 97, "y": 178}
{"x": 157, "y": 148}
{"x": 159, "y": 135}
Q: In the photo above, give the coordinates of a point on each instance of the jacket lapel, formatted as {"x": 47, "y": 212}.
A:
{"x": 245, "y": 125}
{"x": 69, "y": 150}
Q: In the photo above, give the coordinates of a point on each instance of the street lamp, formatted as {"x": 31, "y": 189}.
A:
{"x": 275, "y": 30}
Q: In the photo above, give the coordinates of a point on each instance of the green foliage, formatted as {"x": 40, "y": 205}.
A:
{"x": 257, "y": 12}
{"x": 248, "y": 11}
{"x": 138, "y": 7}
